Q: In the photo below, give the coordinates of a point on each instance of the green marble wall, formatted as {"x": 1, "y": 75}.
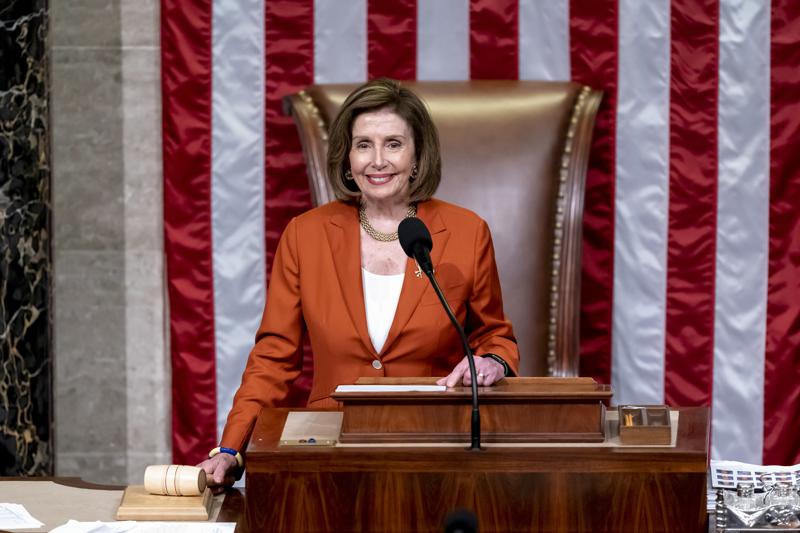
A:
{"x": 26, "y": 443}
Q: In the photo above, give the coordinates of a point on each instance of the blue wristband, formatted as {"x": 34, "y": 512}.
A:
{"x": 229, "y": 451}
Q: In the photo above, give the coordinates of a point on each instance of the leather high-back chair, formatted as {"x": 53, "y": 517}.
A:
{"x": 516, "y": 153}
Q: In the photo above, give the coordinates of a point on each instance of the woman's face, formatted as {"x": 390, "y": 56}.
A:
{"x": 382, "y": 156}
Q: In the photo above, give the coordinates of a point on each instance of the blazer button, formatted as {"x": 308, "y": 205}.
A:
{"x": 376, "y": 364}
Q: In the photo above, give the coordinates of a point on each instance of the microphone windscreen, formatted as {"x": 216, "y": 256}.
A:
{"x": 413, "y": 232}
{"x": 461, "y": 521}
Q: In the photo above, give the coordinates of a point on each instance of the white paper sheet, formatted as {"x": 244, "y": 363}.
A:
{"x": 74, "y": 526}
{"x": 187, "y": 527}
{"x": 391, "y": 388}
{"x": 728, "y": 474}
{"x": 15, "y": 516}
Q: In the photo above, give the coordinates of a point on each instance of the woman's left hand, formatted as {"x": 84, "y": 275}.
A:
{"x": 489, "y": 371}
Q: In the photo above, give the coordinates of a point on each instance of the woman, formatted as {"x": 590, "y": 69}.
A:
{"x": 340, "y": 274}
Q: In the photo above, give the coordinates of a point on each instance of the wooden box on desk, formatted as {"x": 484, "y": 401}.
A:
{"x": 644, "y": 425}
{"x": 529, "y": 409}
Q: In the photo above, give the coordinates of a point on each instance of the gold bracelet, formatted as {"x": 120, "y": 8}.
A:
{"x": 230, "y": 451}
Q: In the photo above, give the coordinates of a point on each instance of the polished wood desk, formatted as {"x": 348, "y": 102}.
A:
{"x": 54, "y": 503}
{"x": 510, "y": 488}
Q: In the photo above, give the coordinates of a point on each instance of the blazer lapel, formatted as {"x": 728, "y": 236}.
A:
{"x": 344, "y": 238}
{"x": 414, "y": 287}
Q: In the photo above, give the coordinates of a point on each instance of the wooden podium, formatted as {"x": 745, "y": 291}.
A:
{"x": 385, "y": 485}
{"x": 514, "y": 410}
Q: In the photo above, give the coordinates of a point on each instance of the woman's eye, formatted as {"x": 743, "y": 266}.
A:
{"x": 394, "y": 145}
{"x": 362, "y": 146}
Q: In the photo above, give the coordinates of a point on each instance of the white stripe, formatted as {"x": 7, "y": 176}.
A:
{"x": 742, "y": 231}
{"x": 443, "y": 39}
{"x": 544, "y": 40}
{"x": 340, "y": 41}
{"x": 642, "y": 201}
{"x": 237, "y": 188}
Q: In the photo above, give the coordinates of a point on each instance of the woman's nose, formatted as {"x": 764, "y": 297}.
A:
{"x": 378, "y": 160}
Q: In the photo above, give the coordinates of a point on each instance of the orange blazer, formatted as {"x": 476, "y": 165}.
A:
{"x": 316, "y": 286}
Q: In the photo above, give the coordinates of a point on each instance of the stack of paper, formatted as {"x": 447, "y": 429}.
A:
{"x": 74, "y": 526}
{"x": 15, "y": 516}
{"x": 729, "y": 474}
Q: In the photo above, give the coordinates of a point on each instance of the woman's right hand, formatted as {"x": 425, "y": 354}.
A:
{"x": 220, "y": 471}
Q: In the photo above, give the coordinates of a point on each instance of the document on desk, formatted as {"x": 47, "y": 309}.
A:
{"x": 391, "y": 388}
{"x": 15, "y": 516}
{"x": 728, "y": 474}
{"x": 73, "y": 526}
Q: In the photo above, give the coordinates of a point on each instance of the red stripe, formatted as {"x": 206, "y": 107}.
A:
{"x": 494, "y": 39}
{"x": 782, "y": 370}
{"x": 289, "y": 59}
{"x": 392, "y": 39}
{"x": 593, "y": 56}
{"x": 692, "y": 225}
{"x": 186, "y": 102}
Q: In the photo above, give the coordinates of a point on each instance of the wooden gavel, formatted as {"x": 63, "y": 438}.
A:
{"x": 174, "y": 480}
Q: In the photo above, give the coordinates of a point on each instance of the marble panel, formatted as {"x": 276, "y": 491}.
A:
{"x": 102, "y": 468}
{"x": 148, "y": 415}
{"x": 138, "y": 462}
{"x": 91, "y": 411}
{"x": 147, "y": 368}
{"x": 112, "y": 361}
{"x": 26, "y": 443}
{"x": 141, "y": 110}
{"x": 140, "y": 23}
{"x": 94, "y": 23}
{"x": 88, "y": 188}
{"x": 144, "y": 281}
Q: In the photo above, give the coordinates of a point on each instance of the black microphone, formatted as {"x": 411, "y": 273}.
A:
{"x": 417, "y": 244}
{"x": 461, "y": 521}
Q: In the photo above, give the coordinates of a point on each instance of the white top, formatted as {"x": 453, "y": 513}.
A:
{"x": 381, "y": 294}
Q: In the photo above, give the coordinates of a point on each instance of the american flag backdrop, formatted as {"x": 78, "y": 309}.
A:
{"x": 691, "y": 256}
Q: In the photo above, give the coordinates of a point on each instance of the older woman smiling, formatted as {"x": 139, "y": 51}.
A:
{"x": 341, "y": 276}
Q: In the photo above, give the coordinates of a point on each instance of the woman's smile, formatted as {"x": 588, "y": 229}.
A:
{"x": 379, "y": 179}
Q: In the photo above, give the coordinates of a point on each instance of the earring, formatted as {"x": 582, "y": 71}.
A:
{"x": 413, "y": 175}
{"x": 348, "y": 174}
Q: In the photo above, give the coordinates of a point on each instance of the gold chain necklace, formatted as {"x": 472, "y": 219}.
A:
{"x": 375, "y": 234}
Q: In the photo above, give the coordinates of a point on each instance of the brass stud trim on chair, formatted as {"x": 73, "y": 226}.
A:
{"x": 558, "y": 233}
{"x": 314, "y": 110}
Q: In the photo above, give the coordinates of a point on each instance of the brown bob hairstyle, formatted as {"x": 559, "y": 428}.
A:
{"x": 380, "y": 94}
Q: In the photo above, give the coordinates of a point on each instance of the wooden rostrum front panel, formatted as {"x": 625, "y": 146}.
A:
{"x": 413, "y": 488}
